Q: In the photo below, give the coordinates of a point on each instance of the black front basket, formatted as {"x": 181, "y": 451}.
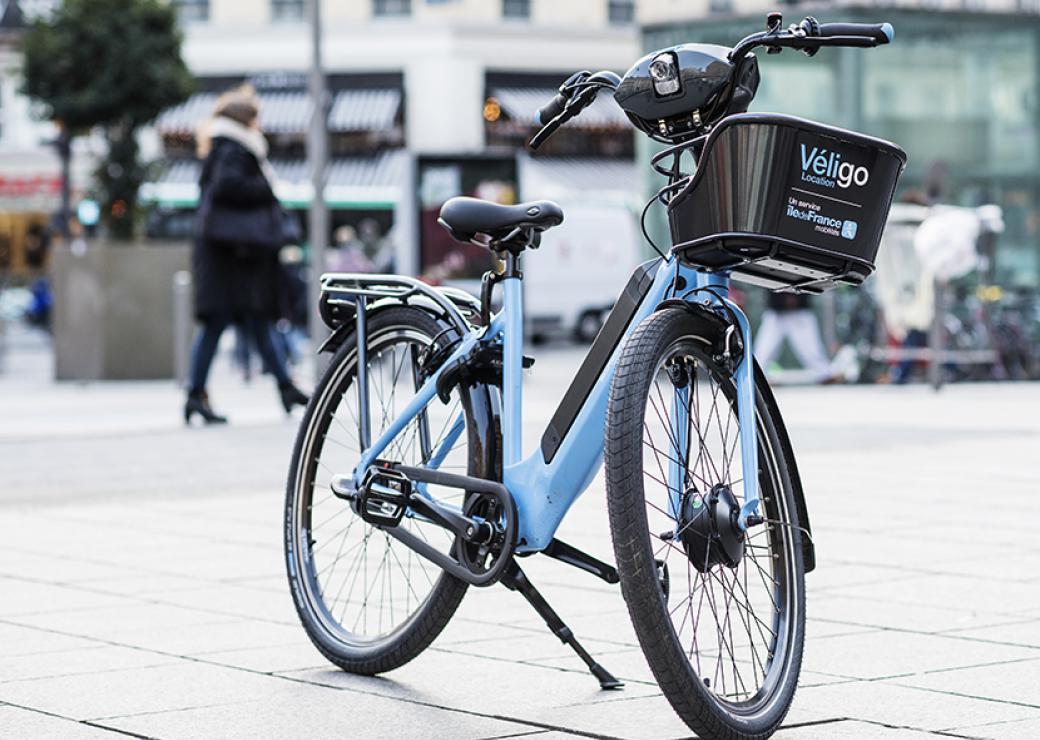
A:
{"x": 786, "y": 203}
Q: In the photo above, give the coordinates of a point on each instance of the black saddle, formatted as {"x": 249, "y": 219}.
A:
{"x": 470, "y": 219}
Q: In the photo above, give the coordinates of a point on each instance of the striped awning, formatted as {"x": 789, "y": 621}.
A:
{"x": 364, "y": 110}
{"x": 522, "y": 103}
{"x": 289, "y": 112}
{"x": 352, "y": 182}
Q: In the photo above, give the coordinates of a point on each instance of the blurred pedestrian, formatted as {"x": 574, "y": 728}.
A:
{"x": 240, "y": 229}
{"x": 905, "y": 289}
{"x": 789, "y": 316}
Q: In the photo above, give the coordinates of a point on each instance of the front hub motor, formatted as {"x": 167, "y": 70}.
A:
{"x": 709, "y": 528}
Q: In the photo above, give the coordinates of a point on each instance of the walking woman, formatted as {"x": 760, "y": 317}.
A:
{"x": 240, "y": 229}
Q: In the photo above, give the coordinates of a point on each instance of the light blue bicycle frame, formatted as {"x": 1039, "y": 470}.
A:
{"x": 544, "y": 492}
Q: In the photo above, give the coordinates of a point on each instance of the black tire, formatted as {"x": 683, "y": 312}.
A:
{"x": 343, "y": 644}
{"x": 740, "y": 710}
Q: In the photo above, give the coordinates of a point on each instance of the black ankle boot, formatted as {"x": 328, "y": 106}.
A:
{"x": 291, "y": 396}
{"x": 198, "y": 403}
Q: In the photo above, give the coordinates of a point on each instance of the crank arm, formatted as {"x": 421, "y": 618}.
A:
{"x": 583, "y": 561}
{"x": 475, "y": 530}
{"x": 469, "y": 529}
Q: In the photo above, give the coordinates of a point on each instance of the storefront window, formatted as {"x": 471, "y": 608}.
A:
{"x": 287, "y": 10}
{"x": 516, "y": 8}
{"x": 441, "y": 257}
{"x": 621, "y": 12}
{"x": 189, "y": 11}
{"x": 391, "y": 7}
{"x": 971, "y": 104}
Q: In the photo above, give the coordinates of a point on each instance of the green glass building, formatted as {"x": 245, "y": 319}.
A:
{"x": 958, "y": 91}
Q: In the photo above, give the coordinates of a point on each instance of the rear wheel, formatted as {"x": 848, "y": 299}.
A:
{"x": 723, "y": 631}
{"x": 367, "y": 602}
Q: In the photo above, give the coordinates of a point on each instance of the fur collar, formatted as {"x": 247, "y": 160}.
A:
{"x": 250, "y": 138}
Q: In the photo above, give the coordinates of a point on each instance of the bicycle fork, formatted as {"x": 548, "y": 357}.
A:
{"x": 744, "y": 380}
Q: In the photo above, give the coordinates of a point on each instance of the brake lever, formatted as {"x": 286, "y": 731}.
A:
{"x": 575, "y": 105}
{"x": 545, "y": 132}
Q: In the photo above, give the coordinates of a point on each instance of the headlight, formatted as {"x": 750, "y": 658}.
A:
{"x": 664, "y": 71}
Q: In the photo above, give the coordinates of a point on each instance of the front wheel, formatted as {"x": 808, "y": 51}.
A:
{"x": 724, "y": 639}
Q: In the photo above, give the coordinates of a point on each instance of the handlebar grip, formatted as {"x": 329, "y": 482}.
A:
{"x": 550, "y": 110}
{"x": 881, "y": 33}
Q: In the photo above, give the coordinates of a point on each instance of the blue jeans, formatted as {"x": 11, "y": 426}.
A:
{"x": 915, "y": 339}
{"x": 208, "y": 337}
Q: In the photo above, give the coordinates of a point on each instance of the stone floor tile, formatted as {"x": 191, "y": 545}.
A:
{"x": 858, "y": 611}
{"x": 888, "y": 703}
{"x": 23, "y": 597}
{"x": 54, "y": 569}
{"x": 146, "y": 586}
{"x": 23, "y": 723}
{"x": 298, "y": 656}
{"x": 886, "y": 653}
{"x": 1000, "y": 597}
{"x": 531, "y": 647}
{"x": 179, "y": 685}
{"x": 1012, "y": 633}
{"x": 197, "y": 639}
{"x": 1009, "y": 730}
{"x": 17, "y": 640}
{"x": 94, "y": 659}
{"x": 319, "y": 714}
{"x": 632, "y": 718}
{"x": 501, "y": 687}
{"x": 852, "y": 730}
{"x": 109, "y": 623}
{"x": 1009, "y": 682}
{"x": 235, "y": 601}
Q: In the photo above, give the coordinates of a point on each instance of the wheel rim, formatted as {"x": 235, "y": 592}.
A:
{"x": 733, "y": 623}
{"x": 361, "y": 584}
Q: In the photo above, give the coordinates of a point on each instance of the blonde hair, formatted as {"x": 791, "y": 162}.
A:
{"x": 241, "y": 104}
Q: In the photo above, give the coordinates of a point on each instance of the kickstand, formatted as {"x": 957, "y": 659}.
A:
{"x": 516, "y": 580}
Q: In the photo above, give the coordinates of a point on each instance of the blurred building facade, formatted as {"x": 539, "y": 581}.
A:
{"x": 30, "y": 172}
{"x": 30, "y": 168}
{"x": 958, "y": 90}
{"x": 428, "y": 99}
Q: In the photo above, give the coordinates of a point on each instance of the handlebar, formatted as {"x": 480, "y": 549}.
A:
{"x": 810, "y": 35}
{"x": 579, "y": 90}
{"x": 576, "y": 94}
{"x": 555, "y": 106}
{"x": 882, "y": 33}
{"x": 550, "y": 110}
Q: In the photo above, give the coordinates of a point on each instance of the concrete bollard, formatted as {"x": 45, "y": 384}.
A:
{"x": 182, "y": 325}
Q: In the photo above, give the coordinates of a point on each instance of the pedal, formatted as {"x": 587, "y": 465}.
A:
{"x": 382, "y": 498}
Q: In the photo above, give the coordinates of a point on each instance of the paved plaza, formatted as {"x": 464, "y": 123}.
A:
{"x": 143, "y": 590}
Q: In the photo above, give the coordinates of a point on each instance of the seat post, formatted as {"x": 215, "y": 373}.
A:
{"x": 512, "y": 361}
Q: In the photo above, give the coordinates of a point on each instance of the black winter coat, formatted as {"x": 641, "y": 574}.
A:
{"x": 234, "y": 279}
